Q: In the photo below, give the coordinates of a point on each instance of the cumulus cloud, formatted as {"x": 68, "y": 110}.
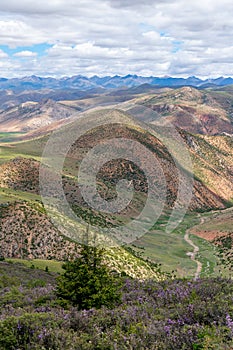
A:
{"x": 30, "y": 7}
{"x": 18, "y": 33}
{"x": 25, "y": 54}
{"x": 162, "y": 37}
{"x": 3, "y": 54}
{"x": 136, "y": 3}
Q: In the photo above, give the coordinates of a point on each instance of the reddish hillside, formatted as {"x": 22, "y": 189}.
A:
{"x": 192, "y": 110}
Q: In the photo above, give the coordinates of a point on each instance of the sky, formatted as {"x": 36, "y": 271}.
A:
{"x": 59, "y": 38}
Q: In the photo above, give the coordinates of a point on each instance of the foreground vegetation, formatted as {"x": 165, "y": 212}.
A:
{"x": 95, "y": 309}
{"x": 171, "y": 314}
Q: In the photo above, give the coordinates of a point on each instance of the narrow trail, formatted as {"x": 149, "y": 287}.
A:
{"x": 193, "y": 254}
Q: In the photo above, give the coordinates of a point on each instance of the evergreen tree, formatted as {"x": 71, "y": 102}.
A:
{"x": 87, "y": 281}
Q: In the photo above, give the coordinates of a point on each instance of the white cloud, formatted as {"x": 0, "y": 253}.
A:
{"x": 89, "y": 50}
{"x": 159, "y": 37}
{"x": 25, "y": 54}
{"x": 16, "y": 32}
{"x": 3, "y": 54}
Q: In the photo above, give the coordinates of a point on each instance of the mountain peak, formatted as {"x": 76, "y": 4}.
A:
{"x": 84, "y": 83}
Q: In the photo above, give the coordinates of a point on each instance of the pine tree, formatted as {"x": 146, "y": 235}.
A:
{"x": 87, "y": 281}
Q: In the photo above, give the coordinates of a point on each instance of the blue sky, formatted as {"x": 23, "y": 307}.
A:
{"x": 107, "y": 37}
{"x": 39, "y": 49}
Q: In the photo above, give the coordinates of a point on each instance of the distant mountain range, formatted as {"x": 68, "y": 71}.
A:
{"x": 198, "y": 111}
{"x": 108, "y": 82}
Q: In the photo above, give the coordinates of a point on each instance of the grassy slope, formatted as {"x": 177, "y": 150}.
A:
{"x": 169, "y": 249}
{"x": 8, "y": 195}
{"x": 53, "y": 266}
{"x": 172, "y": 256}
{"x": 9, "y": 136}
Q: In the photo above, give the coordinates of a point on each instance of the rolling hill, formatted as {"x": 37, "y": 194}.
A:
{"x": 32, "y": 115}
{"x": 195, "y": 111}
{"x": 204, "y": 125}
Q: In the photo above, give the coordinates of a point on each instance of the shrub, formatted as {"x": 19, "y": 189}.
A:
{"x": 21, "y": 332}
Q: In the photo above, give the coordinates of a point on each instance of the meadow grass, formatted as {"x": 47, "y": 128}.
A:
{"x": 10, "y": 136}
{"x": 52, "y": 265}
{"x": 29, "y": 149}
{"x": 9, "y": 195}
{"x": 170, "y": 249}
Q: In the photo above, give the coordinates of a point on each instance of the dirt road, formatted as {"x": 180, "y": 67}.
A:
{"x": 193, "y": 254}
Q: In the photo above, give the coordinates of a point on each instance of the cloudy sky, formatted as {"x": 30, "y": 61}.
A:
{"x": 108, "y": 37}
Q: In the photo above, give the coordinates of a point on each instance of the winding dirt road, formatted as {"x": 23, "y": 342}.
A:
{"x": 193, "y": 254}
